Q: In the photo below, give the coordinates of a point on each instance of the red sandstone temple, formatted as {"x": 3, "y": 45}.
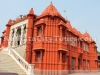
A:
{"x": 50, "y": 42}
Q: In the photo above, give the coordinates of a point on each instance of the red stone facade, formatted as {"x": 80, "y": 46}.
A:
{"x": 57, "y": 45}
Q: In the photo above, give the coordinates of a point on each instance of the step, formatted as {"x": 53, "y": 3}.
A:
{"x": 7, "y": 64}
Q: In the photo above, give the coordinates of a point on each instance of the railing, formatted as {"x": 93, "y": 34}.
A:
{"x": 21, "y": 50}
{"x": 28, "y": 68}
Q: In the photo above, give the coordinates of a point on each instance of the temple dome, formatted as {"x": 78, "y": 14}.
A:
{"x": 51, "y": 10}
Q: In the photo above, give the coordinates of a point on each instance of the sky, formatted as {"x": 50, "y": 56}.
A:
{"x": 84, "y": 15}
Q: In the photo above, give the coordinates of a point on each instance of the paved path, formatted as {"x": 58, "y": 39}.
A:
{"x": 90, "y": 73}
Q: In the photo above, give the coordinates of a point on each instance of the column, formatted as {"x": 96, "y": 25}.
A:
{"x": 60, "y": 60}
{"x": 22, "y": 35}
{"x": 70, "y": 63}
{"x": 81, "y": 64}
{"x": 15, "y": 38}
{"x": 76, "y": 64}
{"x": 10, "y": 39}
{"x": 60, "y": 39}
{"x": 40, "y": 60}
{"x": 86, "y": 65}
{"x": 24, "y": 41}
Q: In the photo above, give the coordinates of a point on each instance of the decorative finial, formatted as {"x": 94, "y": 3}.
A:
{"x": 51, "y": 2}
{"x": 65, "y": 13}
{"x": 21, "y": 16}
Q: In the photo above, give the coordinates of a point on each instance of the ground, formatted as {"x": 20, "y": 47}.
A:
{"x": 90, "y": 73}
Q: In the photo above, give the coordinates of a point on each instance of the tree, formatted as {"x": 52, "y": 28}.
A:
{"x": 98, "y": 52}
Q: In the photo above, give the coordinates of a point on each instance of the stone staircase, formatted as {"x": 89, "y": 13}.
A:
{"x": 7, "y": 64}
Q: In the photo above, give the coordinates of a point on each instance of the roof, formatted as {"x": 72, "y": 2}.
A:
{"x": 51, "y": 10}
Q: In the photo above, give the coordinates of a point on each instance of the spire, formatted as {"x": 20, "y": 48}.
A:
{"x": 51, "y": 3}
{"x": 31, "y": 11}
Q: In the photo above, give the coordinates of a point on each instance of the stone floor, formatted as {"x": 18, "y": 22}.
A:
{"x": 90, "y": 73}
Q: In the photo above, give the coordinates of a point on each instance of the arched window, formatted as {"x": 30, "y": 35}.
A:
{"x": 63, "y": 32}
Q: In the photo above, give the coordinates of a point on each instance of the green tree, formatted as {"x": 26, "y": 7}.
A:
{"x": 98, "y": 52}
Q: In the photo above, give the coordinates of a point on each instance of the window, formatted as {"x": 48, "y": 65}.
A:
{"x": 73, "y": 42}
{"x": 73, "y": 63}
{"x": 39, "y": 31}
{"x": 84, "y": 64}
{"x": 63, "y": 32}
{"x": 67, "y": 39}
{"x": 85, "y": 47}
{"x": 63, "y": 57}
{"x": 37, "y": 56}
{"x": 78, "y": 63}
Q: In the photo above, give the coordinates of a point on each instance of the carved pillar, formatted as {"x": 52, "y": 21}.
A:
{"x": 70, "y": 63}
{"x": 10, "y": 38}
{"x": 41, "y": 53}
{"x": 15, "y": 39}
{"x": 60, "y": 57}
{"x": 60, "y": 41}
{"x": 22, "y": 35}
{"x": 60, "y": 60}
{"x": 81, "y": 64}
{"x": 60, "y": 31}
{"x": 86, "y": 65}
{"x": 76, "y": 64}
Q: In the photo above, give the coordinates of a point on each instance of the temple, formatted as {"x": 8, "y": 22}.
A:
{"x": 50, "y": 43}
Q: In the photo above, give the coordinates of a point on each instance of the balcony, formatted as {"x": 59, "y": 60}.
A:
{"x": 62, "y": 46}
{"x": 38, "y": 45}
